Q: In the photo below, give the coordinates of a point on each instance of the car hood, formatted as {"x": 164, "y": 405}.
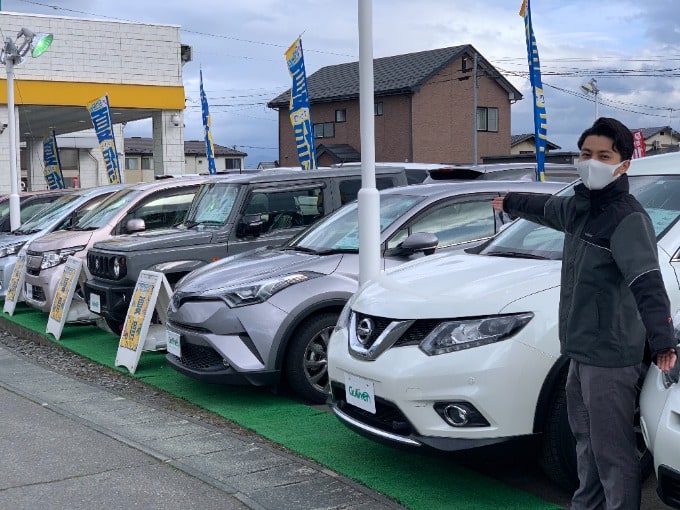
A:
{"x": 62, "y": 239}
{"x": 254, "y": 265}
{"x": 9, "y": 239}
{"x": 156, "y": 240}
{"x": 455, "y": 285}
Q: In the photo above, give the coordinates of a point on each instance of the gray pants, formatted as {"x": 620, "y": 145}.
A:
{"x": 601, "y": 409}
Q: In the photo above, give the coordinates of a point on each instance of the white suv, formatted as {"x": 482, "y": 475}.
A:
{"x": 455, "y": 351}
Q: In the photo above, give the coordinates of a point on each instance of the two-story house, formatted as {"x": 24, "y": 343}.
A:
{"x": 424, "y": 109}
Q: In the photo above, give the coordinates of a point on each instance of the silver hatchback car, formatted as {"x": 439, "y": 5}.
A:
{"x": 249, "y": 318}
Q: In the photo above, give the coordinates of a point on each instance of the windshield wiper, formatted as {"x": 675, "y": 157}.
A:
{"x": 516, "y": 254}
{"x": 333, "y": 251}
{"x": 303, "y": 249}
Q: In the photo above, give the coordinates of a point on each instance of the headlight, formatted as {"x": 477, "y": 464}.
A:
{"x": 457, "y": 335}
{"x": 11, "y": 249}
{"x": 56, "y": 257}
{"x": 261, "y": 290}
{"x": 343, "y": 318}
{"x": 119, "y": 267}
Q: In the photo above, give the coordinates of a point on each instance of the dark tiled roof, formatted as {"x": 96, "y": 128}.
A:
{"x": 515, "y": 139}
{"x": 144, "y": 146}
{"x": 340, "y": 152}
{"x": 651, "y": 131}
{"x": 399, "y": 74}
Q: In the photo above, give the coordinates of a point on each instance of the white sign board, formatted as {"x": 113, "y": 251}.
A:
{"x": 16, "y": 284}
{"x": 152, "y": 292}
{"x": 64, "y": 296}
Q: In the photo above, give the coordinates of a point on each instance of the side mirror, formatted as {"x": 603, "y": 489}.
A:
{"x": 417, "y": 242}
{"x": 135, "y": 225}
{"x": 251, "y": 225}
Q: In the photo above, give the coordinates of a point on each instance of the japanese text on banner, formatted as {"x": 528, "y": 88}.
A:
{"x": 299, "y": 109}
{"x": 101, "y": 119}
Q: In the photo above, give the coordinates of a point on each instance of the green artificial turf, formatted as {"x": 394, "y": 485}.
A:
{"x": 417, "y": 481}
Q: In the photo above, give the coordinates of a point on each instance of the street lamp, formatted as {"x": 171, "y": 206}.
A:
{"x": 12, "y": 54}
{"x": 590, "y": 87}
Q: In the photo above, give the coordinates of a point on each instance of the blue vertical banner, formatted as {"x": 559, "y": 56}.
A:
{"x": 540, "y": 117}
{"x": 52, "y": 170}
{"x": 299, "y": 109}
{"x": 209, "y": 145}
{"x": 100, "y": 113}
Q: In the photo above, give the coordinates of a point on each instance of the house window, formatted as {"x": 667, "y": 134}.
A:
{"x": 378, "y": 108}
{"x": 232, "y": 164}
{"x": 340, "y": 115}
{"x": 487, "y": 119}
{"x": 131, "y": 163}
{"x": 147, "y": 163}
{"x": 324, "y": 130}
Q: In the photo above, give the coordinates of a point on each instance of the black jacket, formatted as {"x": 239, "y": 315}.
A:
{"x": 612, "y": 294}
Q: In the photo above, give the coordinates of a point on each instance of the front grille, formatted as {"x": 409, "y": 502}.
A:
{"x": 38, "y": 294}
{"x": 418, "y": 332}
{"x": 380, "y": 324}
{"x": 100, "y": 265}
{"x": 199, "y": 357}
{"x": 33, "y": 262}
{"x": 387, "y": 416}
{"x": 188, "y": 327}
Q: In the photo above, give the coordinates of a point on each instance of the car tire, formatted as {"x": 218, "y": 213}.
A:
{"x": 307, "y": 358}
{"x": 558, "y": 450}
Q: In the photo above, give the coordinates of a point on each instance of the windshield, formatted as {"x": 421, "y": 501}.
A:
{"x": 340, "y": 231}
{"x": 100, "y": 216}
{"x": 213, "y": 204}
{"x": 658, "y": 194}
{"x": 47, "y": 215}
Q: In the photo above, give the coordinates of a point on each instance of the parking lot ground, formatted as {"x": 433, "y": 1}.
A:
{"x": 418, "y": 481}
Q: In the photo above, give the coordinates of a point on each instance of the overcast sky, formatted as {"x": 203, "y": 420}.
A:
{"x": 632, "y": 49}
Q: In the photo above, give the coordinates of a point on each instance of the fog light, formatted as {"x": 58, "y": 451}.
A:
{"x": 460, "y": 414}
{"x": 456, "y": 415}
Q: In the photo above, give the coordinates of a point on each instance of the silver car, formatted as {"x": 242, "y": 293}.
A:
{"x": 62, "y": 213}
{"x": 251, "y": 317}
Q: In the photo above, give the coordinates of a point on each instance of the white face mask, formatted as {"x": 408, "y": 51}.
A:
{"x": 595, "y": 174}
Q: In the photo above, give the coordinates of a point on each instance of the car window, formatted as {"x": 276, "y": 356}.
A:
{"x": 84, "y": 209}
{"x": 47, "y": 215}
{"x": 454, "y": 223}
{"x": 659, "y": 195}
{"x": 349, "y": 188}
{"x": 100, "y": 216}
{"x": 161, "y": 209}
{"x": 212, "y": 204}
{"x": 31, "y": 209}
{"x": 340, "y": 230}
{"x": 280, "y": 210}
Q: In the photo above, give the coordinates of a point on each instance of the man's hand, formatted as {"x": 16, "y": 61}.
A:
{"x": 666, "y": 360}
{"x": 497, "y": 204}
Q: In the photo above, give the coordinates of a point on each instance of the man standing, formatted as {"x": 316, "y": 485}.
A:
{"x": 612, "y": 297}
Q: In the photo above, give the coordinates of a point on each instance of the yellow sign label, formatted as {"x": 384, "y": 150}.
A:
{"x": 13, "y": 288}
{"x": 136, "y": 313}
{"x": 60, "y": 298}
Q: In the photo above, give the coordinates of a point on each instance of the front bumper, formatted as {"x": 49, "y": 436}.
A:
{"x": 114, "y": 299}
{"x": 40, "y": 289}
{"x": 501, "y": 381}
{"x": 223, "y": 345}
{"x": 6, "y": 269}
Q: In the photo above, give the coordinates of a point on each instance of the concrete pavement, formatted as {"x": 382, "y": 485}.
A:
{"x": 69, "y": 444}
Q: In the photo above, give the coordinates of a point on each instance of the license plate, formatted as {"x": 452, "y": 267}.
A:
{"x": 359, "y": 392}
{"x": 173, "y": 346}
{"x": 29, "y": 290}
{"x": 95, "y": 303}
